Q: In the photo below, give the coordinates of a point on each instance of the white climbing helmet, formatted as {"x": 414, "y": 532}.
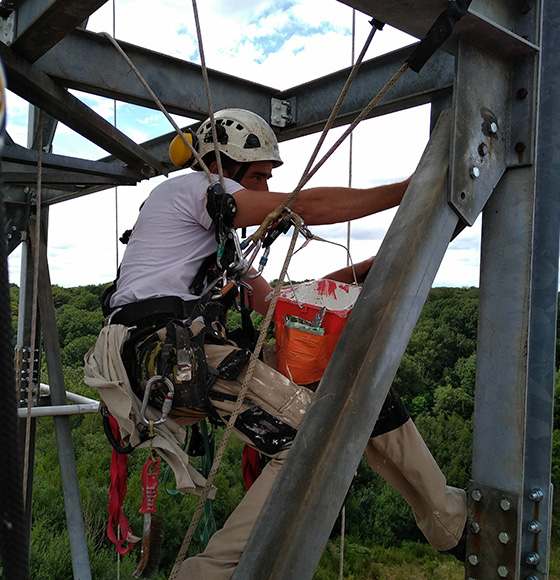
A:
{"x": 242, "y": 135}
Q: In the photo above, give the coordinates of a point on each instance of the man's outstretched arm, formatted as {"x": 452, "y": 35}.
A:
{"x": 320, "y": 205}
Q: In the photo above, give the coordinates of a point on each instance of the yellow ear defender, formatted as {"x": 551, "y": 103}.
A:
{"x": 179, "y": 152}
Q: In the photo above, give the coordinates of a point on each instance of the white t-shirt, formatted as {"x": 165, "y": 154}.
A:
{"x": 171, "y": 238}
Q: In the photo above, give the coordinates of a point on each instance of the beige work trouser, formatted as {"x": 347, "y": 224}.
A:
{"x": 399, "y": 456}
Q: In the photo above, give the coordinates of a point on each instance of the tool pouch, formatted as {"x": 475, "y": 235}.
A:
{"x": 172, "y": 353}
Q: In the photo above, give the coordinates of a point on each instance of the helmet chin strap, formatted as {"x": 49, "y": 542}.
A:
{"x": 241, "y": 173}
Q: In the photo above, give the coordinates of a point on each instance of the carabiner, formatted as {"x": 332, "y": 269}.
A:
{"x": 166, "y": 407}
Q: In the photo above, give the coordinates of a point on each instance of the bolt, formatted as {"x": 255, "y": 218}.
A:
{"x": 505, "y": 504}
{"x": 520, "y": 147}
{"x": 502, "y": 572}
{"x": 531, "y": 577}
{"x": 493, "y": 128}
{"x": 536, "y": 494}
{"x": 483, "y": 149}
{"x": 473, "y": 559}
{"x": 476, "y": 495}
{"x": 474, "y": 172}
{"x": 288, "y": 118}
{"x": 532, "y": 559}
{"x": 534, "y": 527}
{"x": 287, "y": 103}
{"x": 503, "y": 537}
{"x": 475, "y": 527}
{"x": 522, "y": 93}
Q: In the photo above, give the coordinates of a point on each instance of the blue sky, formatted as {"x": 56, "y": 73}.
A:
{"x": 276, "y": 43}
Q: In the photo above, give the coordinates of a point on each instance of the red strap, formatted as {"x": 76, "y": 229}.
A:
{"x": 117, "y": 492}
{"x": 250, "y": 462}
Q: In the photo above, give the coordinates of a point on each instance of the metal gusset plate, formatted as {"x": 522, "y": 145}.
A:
{"x": 492, "y": 541}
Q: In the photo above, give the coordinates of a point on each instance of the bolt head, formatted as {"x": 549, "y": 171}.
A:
{"x": 476, "y": 495}
{"x": 473, "y": 559}
{"x": 505, "y": 504}
{"x": 493, "y": 127}
{"x": 475, "y": 527}
{"x": 475, "y": 172}
{"x": 502, "y": 572}
{"x": 503, "y": 537}
{"x": 483, "y": 149}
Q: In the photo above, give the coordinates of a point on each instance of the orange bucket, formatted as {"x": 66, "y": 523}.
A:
{"x": 302, "y": 350}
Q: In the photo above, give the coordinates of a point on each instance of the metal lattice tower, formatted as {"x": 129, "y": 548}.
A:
{"x": 495, "y": 150}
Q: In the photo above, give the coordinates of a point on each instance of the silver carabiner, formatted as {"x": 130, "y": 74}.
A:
{"x": 166, "y": 407}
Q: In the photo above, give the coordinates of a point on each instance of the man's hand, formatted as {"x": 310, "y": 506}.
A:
{"x": 346, "y": 275}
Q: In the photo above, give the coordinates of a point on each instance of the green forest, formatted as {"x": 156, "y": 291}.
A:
{"x": 436, "y": 380}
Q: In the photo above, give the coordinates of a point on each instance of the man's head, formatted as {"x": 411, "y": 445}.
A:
{"x": 247, "y": 146}
{"x": 242, "y": 136}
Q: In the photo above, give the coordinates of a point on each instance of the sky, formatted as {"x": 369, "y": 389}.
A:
{"x": 279, "y": 43}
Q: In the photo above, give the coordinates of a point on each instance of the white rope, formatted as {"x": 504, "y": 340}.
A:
{"x": 33, "y": 339}
{"x": 234, "y": 414}
{"x": 336, "y": 109}
{"x": 208, "y": 95}
{"x": 162, "y": 108}
{"x": 351, "y": 144}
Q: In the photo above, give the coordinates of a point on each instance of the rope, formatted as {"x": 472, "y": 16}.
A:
{"x": 240, "y": 397}
{"x": 290, "y": 200}
{"x": 298, "y": 223}
{"x": 208, "y": 95}
{"x": 161, "y": 107}
{"x": 342, "y": 532}
{"x": 33, "y": 339}
{"x": 116, "y": 188}
{"x": 341, "y": 97}
{"x": 351, "y": 143}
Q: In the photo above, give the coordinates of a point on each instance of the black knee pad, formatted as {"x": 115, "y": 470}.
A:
{"x": 393, "y": 414}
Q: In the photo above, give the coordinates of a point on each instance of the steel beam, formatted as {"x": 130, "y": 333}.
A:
{"x": 23, "y": 175}
{"x": 518, "y": 304}
{"x": 501, "y": 26}
{"x": 38, "y": 89}
{"x": 21, "y": 156}
{"x": 185, "y": 95}
{"x": 177, "y": 83}
{"x": 67, "y": 461}
{"x": 292, "y": 530}
{"x": 41, "y": 24}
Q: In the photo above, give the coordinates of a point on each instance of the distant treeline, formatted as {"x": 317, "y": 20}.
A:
{"x": 436, "y": 380}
